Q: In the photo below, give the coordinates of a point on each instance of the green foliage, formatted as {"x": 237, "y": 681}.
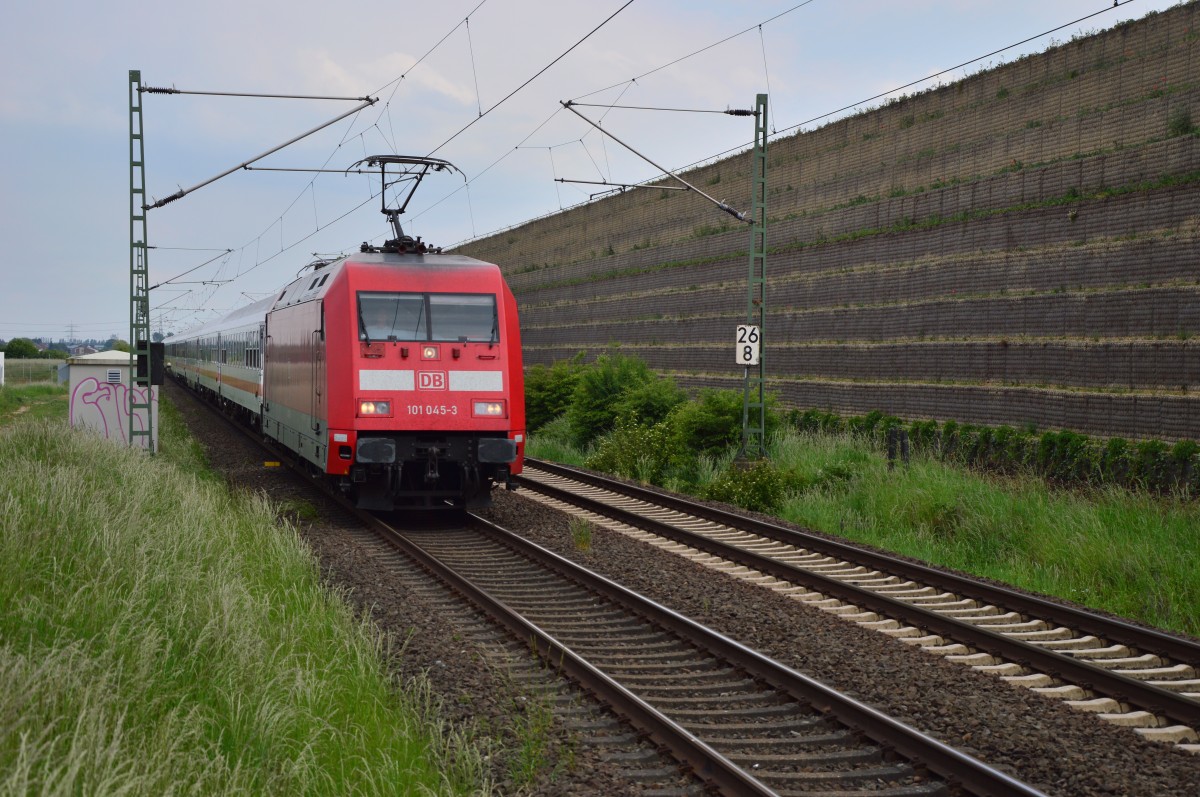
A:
{"x": 581, "y": 534}
{"x": 758, "y": 486}
{"x": 32, "y": 402}
{"x": 21, "y": 349}
{"x": 1064, "y": 458}
{"x": 1180, "y": 123}
{"x": 593, "y": 410}
{"x": 55, "y": 354}
{"x": 639, "y": 452}
{"x": 710, "y": 424}
{"x": 156, "y": 629}
{"x": 549, "y": 390}
{"x": 650, "y": 402}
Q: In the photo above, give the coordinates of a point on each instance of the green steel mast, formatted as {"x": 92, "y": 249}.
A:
{"x": 753, "y": 399}
{"x": 139, "y": 278}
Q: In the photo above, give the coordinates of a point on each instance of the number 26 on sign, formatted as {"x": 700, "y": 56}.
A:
{"x": 748, "y": 342}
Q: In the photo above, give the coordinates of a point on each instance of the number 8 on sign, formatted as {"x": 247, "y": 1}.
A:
{"x": 748, "y": 341}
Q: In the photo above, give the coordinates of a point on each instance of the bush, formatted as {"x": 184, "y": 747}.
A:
{"x": 549, "y": 390}
{"x": 1061, "y": 457}
{"x": 711, "y": 424}
{"x": 640, "y": 452}
{"x": 649, "y": 403}
{"x": 593, "y": 410}
{"x": 758, "y": 486}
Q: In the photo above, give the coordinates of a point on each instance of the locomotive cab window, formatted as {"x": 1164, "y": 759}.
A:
{"x": 465, "y": 317}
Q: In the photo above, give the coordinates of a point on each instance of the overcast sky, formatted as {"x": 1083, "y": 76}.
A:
{"x": 64, "y": 170}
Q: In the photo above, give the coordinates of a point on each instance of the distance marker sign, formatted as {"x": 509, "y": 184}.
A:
{"x": 748, "y": 340}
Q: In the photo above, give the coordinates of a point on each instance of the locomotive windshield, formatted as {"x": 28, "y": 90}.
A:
{"x": 463, "y": 317}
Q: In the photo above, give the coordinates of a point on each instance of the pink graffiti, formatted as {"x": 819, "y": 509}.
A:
{"x": 104, "y": 407}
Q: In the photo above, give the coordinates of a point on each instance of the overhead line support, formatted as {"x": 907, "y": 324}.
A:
{"x": 720, "y": 205}
{"x": 754, "y": 415}
{"x": 139, "y": 397}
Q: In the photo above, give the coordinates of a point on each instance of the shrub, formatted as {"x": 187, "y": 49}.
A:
{"x": 650, "y": 402}
{"x": 1180, "y": 123}
{"x": 711, "y": 423}
{"x": 639, "y": 452}
{"x": 1063, "y": 457}
{"x": 593, "y": 410}
{"x": 1148, "y": 466}
{"x": 549, "y": 390}
{"x": 1114, "y": 461}
{"x": 758, "y": 486}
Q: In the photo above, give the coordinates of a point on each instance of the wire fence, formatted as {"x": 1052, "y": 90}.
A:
{"x": 28, "y": 372}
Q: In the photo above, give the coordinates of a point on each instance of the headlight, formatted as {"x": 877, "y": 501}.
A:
{"x": 429, "y": 352}
{"x": 488, "y": 409}
{"x": 377, "y": 409}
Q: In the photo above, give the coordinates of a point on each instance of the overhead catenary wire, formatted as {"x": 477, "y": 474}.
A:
{"x": 538, "y": 74}
{"x": 669, "y": 64}
{"x": 910, "y": 84}
{"x": 260, "y": 262}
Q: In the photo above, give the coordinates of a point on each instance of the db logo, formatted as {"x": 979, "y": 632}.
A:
{"x": 431, "y": 380}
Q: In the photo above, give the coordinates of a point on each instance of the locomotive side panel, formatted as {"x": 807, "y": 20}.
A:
{"x": 516, "y": 375}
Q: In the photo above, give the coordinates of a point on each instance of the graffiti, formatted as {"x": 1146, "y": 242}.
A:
{"x": 104, "y": 407}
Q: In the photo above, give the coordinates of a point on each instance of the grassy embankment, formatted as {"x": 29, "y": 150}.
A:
{"x": 1131, "y": 554}
{"x": 159, "y": 634}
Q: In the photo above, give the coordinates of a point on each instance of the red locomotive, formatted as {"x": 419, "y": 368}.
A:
{"x": 396, "y": 371}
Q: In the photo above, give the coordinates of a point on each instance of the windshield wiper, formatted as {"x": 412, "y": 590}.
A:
{"x": 362, "y": 326}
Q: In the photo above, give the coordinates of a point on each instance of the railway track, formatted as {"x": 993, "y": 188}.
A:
{"x": 1125, "y": 674}
{"x": 906, "y": 764}
{"x": 741, "y": 722}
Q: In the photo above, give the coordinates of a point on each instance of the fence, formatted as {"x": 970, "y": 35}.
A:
{"x": 25, "y": 372}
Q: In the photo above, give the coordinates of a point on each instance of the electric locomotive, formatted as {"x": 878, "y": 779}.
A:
{"x": 395, "y": 372}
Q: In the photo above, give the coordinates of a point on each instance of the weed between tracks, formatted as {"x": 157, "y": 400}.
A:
{"x": 581, "y": 534}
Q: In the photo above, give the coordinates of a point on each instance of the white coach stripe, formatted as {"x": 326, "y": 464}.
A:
{"x": 385, "y": 380}
{"x": 477, "y": 380}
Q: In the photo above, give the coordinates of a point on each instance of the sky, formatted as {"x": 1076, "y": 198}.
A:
{"x": 476, "y": 83}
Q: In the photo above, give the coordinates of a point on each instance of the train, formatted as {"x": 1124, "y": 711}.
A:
{"x": 395, "y": 373}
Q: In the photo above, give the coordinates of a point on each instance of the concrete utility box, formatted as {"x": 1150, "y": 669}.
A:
{"x": 100, "y": 396}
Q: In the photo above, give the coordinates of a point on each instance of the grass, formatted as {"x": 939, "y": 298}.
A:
{"x": 581, "y": 534}
{"x": 1131, "y": 554}
{"x": 35, "y": 401}
{"x": 159, "y": 634}
{"x": 1127, "y": 553}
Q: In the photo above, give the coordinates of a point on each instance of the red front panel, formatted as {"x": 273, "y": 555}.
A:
{"x": 414, "y": 383}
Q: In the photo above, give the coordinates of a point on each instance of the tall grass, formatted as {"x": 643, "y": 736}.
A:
{"x": 1132, "y": 554}
{"x": 159, "y": 635}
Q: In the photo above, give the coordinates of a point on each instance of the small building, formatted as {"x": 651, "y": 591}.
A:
{"x": 82, "y": 349}
{"x": 100, "y": 388}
